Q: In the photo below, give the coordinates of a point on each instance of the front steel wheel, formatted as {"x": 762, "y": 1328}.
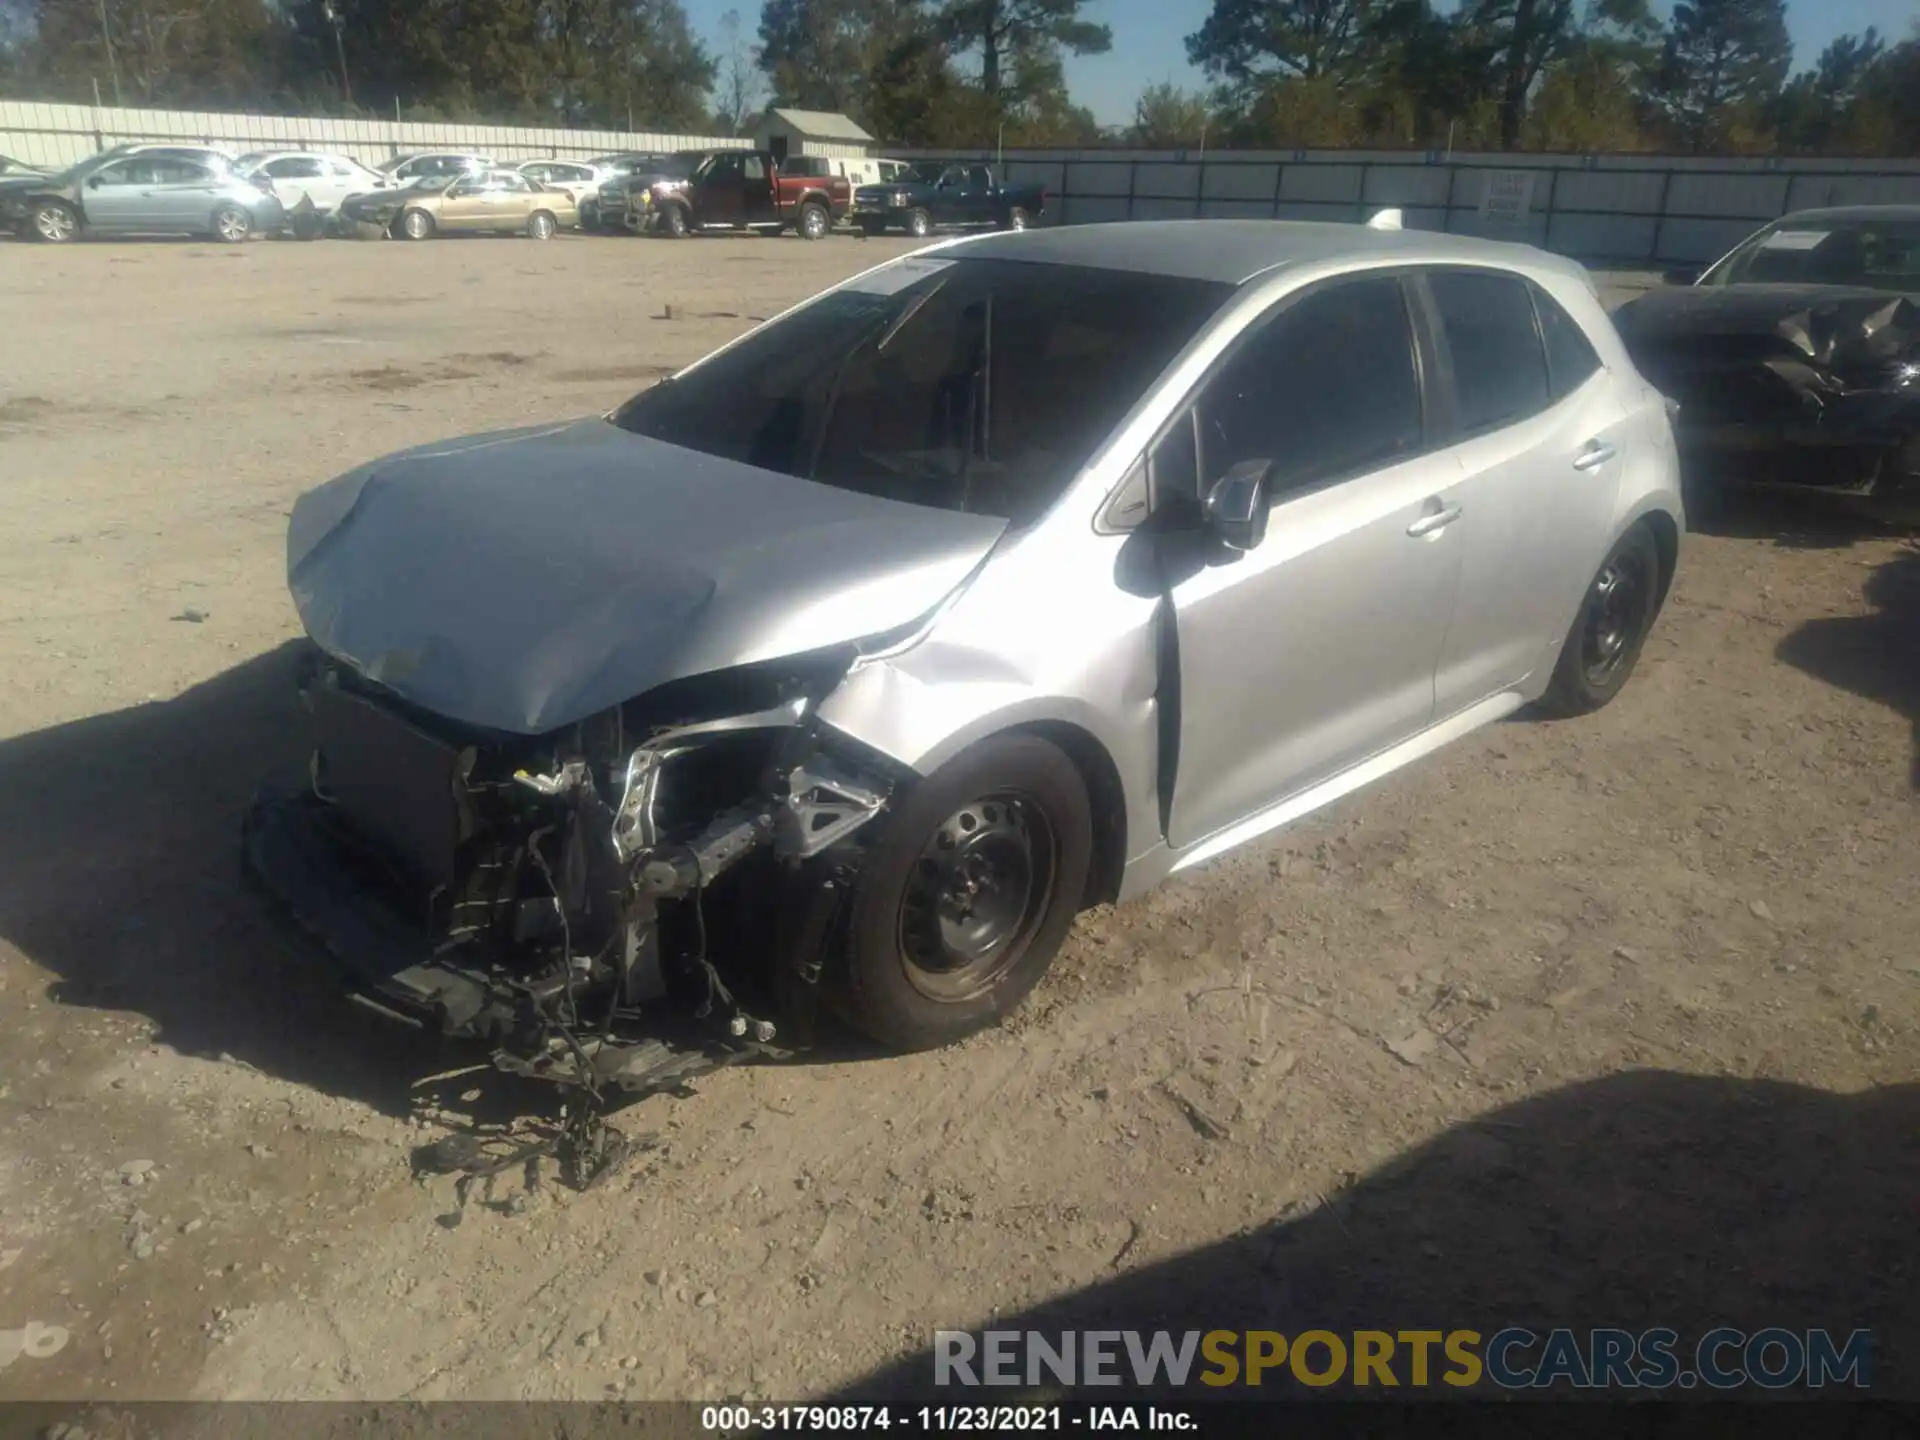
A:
{"x": 976, "y": 894}
{"x": 919, "y": 224}
{"x": 969, "y": 889}
{"x": 416, "y": 225}
{"x": 1619, "y": 608}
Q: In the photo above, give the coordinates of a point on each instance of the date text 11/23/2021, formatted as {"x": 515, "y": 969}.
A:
{"x": 945, "y": 1419}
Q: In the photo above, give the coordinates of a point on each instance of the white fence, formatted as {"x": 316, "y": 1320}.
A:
{"x": 1642, "y": 208}
{"x": 58, "y": 135}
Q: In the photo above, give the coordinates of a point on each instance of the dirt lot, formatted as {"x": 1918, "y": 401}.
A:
{"x": 1603, "y": 1022}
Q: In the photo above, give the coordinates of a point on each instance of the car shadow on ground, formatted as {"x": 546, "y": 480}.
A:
{"x": 123, "y": 878}
{"x": 1791, "y": 521}
{"x": 1875, "y": 656}
{"x": 1644, "y": 1199}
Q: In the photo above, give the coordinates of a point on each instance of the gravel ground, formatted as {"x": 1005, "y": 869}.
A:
{"x": 1609, "y": 1021}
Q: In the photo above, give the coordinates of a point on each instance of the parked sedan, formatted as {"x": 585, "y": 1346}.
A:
{"x": 157, "y": 191}
{"x": 1007, "y": 578}
{"x": 316, "y": 176}
{"x": 579, "y": 180}
{"x": 432, "y": 165}
{"x": 496, "y": 201}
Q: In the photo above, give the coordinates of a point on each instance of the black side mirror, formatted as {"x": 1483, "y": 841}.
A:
{"x": 1236, "y": 505}
{"x": 1681, "y": 275}
{"x": 94, "y": 183}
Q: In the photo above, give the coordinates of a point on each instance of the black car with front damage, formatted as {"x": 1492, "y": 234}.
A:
{"x": 1795, "y": 359}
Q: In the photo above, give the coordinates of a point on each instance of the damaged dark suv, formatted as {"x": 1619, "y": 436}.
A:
{"x": 1795, "y": 359}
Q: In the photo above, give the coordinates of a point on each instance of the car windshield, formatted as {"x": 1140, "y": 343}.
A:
{"x": 974, "y": 385}
{"x": 1876, "y": 254}
{"x": 927, "y": 172}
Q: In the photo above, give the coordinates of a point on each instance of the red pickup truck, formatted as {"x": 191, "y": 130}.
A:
{"x": 740, "y": 190}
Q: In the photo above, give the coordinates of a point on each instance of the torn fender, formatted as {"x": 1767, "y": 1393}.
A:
{"x": 523, "y": 580}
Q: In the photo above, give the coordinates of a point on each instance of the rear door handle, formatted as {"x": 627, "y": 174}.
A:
{"x": 1593, "y": 455}
{"x": 1434, "y": 521}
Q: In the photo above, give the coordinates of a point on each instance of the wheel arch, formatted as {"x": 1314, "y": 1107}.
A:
{"x": 1092, "y": 756}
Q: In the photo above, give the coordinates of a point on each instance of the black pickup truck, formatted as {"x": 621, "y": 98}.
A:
{"x": 935, "y": 192}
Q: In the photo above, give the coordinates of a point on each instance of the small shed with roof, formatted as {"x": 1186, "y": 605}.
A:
{"x": 811, "y": 132}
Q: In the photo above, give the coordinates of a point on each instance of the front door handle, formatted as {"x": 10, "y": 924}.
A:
{"x": 1434, "y": 521}
{"x": 1593, "y": 455}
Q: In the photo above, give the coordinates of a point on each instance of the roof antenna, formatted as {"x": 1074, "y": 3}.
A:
{"x": 1385, "y": 220}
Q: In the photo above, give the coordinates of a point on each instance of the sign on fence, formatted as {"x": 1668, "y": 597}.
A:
{"x": 1507, "y": 198}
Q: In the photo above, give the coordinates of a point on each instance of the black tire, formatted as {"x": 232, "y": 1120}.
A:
{"x": 1616, "y": 613}
{"x": 541, "y": 225}
{"x": 1014, "y": 219}
{"x": 53, "y": 222}
{"x": 813, "y": 222}
{"x": 415, "y": 225}
{"x": 919, "y": 224}
{"x": 899, "y": 984}
{"x": 673, "y": 222}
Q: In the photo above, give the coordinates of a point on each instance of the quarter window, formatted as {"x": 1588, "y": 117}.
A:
{"x": 1499, "y": 367}
{"x": 1570, "y": 355}
{"x": 1328, "y": 388}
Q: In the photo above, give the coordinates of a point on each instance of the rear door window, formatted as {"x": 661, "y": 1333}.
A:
{"x": 1570, "y": 355}
{"x": 1499, "y": 364}
{"x": 1328, "y": 388}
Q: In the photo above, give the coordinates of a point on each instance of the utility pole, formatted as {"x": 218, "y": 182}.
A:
{"x": 106, "y": 38}
{"x": 332, "y": 13}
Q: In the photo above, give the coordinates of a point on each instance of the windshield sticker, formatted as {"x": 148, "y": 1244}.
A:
{"x": 892, "y": 279}
{"x": 1794, "y": 239}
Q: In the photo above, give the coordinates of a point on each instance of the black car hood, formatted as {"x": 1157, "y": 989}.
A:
{"x": 1824, "y": 324}
{"x": 522, "y": 580}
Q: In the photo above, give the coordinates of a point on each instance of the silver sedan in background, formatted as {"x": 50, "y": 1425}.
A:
{"x": 1005, "y": 579}
{"x": 146, "y": 191}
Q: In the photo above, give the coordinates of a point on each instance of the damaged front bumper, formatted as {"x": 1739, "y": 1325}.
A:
{"x": 605, "y": 914}
{"x": 1819, "y": 395}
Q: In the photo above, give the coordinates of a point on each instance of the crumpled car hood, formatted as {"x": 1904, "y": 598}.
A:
{"x": 1825, "y": 324}
{"x": 523, "y": 580}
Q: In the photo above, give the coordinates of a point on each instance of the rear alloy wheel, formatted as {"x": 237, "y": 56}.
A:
{"x": 973, "y": 883}
{"x": 231, "y": 224}
{"x": 54, "y": 222}
{"x": 540, "y": 226}
{"x": 417, "y": 225}
{"x": 1016, "y": 219}
{"x": 814, "y": 222}
{"x": 919, "y": 224}
{"x": 1604, "y": 644}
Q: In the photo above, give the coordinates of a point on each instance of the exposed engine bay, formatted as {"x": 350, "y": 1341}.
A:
{"x": 641, "y": 897}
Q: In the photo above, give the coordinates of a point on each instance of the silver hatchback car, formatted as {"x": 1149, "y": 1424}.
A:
{"x": 844, "y": 667}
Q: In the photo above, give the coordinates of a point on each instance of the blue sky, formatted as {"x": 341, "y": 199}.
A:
{"x": 1149, "y": 40}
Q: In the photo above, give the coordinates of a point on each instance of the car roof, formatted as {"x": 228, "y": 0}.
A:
{"x": 1234, "y": 251}
{"x": 1841, "y": 214}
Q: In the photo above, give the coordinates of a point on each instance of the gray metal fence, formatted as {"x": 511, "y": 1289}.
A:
{"x": 1640, "y": 209}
